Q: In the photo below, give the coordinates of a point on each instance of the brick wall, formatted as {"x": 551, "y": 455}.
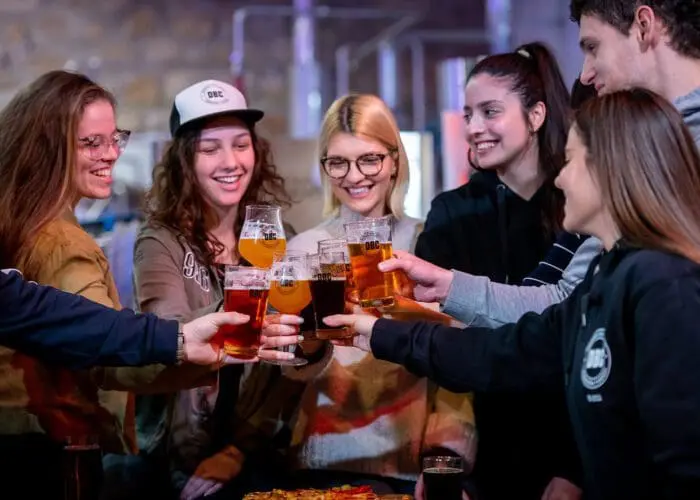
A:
{"x": 145, "y": 51}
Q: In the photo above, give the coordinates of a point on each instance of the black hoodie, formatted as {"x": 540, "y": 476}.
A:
{"x": 625, "y": 350}
{"x": 486, "y": 229}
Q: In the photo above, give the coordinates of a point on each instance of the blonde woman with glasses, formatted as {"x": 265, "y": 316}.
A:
{"x": 364, "y": 421}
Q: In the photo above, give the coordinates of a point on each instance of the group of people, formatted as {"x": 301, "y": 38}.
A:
{"x": 572, "y": 256}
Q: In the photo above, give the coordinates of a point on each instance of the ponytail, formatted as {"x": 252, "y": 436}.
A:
{"x": 535, "y": 77}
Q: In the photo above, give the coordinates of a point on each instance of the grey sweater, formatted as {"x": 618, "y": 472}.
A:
{"x": 476, "y": 301}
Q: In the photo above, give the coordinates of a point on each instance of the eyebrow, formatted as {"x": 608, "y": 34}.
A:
{"x": 237, "y": 136}
{"x": 483, "y": 104}
{"x": 583, "y": 41}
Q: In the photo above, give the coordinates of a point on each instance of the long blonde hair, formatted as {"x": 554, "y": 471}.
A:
{"x": 368, "y": 117}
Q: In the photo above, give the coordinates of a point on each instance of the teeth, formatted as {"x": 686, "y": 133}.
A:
{"x": 105, "y": 172}
{"x": 483, "y": 146}
{"x": 230, "y": 179}
{"x": 360, "y": 190}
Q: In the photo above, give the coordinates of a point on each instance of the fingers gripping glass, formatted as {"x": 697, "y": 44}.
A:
{"x": 97, "y": 146}
{"x": 369, "y": 165}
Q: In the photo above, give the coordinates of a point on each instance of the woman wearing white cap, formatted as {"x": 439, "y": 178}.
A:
{"x": 215, "y": 165}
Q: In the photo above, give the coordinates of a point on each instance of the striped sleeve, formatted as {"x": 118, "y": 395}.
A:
{"x": 550, "y": 270}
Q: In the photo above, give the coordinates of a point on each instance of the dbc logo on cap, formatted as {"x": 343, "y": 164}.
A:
{"x": 213, "y": 95}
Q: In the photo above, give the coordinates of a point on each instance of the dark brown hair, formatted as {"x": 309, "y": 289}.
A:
{"x": 680, "y": 17}
{"x": 175, "y": 200}
{"x": 534, "y": 76}
{"x": 648, "y": 168}
{"x": 38, "y": 145}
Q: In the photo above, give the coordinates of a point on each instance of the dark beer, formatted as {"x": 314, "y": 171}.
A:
{"x": 375, "y": 288}
{"x": 442, "y": 483}
{"x": 243, "y": 341}
{"x": 328, "y": 295}
{"x": 308, "y": 327}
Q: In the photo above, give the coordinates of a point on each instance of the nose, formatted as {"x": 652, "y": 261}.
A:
{"x": 354, "y": 175}
{"x": 559, "y": 180}
{"x": 112, "y": 153}
{"x": 587, "y": 73}
{"x": 475, "y": 127}
{"x": 230, "y": 157}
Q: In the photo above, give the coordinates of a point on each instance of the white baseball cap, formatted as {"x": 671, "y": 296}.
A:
{"x": 208, "y": 99}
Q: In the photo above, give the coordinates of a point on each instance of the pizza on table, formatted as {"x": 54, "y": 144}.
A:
{"x": 341, "y": 493}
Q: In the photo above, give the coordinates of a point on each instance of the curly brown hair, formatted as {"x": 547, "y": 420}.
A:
{"x": 175, "y": 200}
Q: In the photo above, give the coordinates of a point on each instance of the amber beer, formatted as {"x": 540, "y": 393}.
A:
{"x": 290, "y": 296}
{"x": 374, "y": 287}
{"x": 262, "y": 235}
{"x": 328, "y": 295}
{"x": 246, "y": 291}
{"x": 369, "y": 243}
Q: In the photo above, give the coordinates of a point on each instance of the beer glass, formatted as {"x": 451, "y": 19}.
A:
{"x": 369, "y": 243}
{"x": 442, "y": 477}
{"x": 290, "y": 292}
{"x": 246, "y": 290}
{"x": 328, "y": 292}
{"x": 339, "y": 245}
{"x": 262, "y": 235}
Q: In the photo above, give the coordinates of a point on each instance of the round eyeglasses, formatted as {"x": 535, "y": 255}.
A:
{"x": 97, "y": 146}
{"x": 369, "y": 165}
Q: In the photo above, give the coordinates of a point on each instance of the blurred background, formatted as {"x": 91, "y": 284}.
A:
{"x": 291, "y": 59}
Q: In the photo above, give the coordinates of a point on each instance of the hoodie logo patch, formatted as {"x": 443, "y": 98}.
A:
{"x": 597, "y": 361}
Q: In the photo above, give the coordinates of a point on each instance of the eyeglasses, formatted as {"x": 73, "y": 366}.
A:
{"x": 97, "y": 146}
{"x": 369, "y": 165}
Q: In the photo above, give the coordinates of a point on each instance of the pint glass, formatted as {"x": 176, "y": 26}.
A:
{"x": 338, "y": 245}
{"x": 246, "y": 291}
{"x": 442, "y": 477}
{"x": 328, "y": 291}
{"x": 262, "y": 235}
{"x": 369, "y": 243}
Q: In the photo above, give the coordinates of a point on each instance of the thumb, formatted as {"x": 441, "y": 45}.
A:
{"x": 392, "y": 265}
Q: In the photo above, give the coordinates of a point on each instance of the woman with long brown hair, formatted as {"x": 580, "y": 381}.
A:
{"x": 215, "y": 165}
{"x": 59, "y": 142}
{"x": 624, "y": 347}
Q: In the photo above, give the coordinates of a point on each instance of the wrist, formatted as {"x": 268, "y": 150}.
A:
{"x": 180, "y": 353}
{"x": 444, "y": 285}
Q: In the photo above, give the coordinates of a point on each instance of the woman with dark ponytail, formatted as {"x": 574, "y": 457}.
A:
{"x": 500, "y": 225}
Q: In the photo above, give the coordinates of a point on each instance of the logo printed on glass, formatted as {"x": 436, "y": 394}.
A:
{"x": 287, "y": 279}
{"x": 370, "y": 239}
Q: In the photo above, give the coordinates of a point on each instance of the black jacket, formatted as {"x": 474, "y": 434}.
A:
{"x": 625, "y": 348}
{"x": 73, "y": 332}
{"x": 484, "y": 228}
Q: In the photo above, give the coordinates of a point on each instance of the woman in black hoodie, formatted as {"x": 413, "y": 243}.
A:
{"x": 500, "y": 225}
{"x": 624, "y": 347}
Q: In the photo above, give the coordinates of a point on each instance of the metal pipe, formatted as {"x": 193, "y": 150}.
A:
{"x": 240, "y": 15}
{"x": 498, "y": 14}
{"x": 388, "y": 69}
{"x": 342, "y": 70}
{"x": 305, "y": 91}
{"x": 418, "y": 83}
{"x": 416, "y": 43}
